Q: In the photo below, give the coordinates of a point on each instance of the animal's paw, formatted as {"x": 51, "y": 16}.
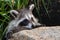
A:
{"x": 38, "y": 24}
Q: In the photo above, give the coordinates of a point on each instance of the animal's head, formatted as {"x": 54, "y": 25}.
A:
{"x": 22, "y": 16}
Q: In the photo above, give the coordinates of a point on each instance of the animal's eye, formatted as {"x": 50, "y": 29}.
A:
{"x": 24, "y": 22}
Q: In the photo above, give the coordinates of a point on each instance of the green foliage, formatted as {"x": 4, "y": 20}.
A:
{"x": 5, "y": 7}
{"x": 38, "y": 6}
{"x": 45, "y": 5}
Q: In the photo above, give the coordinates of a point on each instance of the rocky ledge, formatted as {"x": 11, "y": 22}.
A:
{"x": 41, "y": 33}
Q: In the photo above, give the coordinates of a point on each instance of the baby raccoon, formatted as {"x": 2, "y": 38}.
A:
{"x": 23, "y": 19}
{"x": 25, "y": 14}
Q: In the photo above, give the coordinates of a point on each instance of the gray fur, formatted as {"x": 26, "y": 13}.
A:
{"x": 22, "y": 15}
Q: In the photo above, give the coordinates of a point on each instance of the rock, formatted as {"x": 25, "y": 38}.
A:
{"x": 41, "y": 33}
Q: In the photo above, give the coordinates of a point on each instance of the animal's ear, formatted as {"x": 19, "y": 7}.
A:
{"x": 31, "y": 7}
{"x": 14, "y": 13}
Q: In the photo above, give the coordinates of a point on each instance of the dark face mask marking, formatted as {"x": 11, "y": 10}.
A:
{"x": 24, "y": 23}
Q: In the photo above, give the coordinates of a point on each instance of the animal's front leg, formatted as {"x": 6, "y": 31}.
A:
{"x": 35, "y": 21}
{"x": 33, "y": 18}
{"x": 36, "y": 24}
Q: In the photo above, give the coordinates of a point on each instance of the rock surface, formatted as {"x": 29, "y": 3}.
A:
{"x": 41, "y": 33}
